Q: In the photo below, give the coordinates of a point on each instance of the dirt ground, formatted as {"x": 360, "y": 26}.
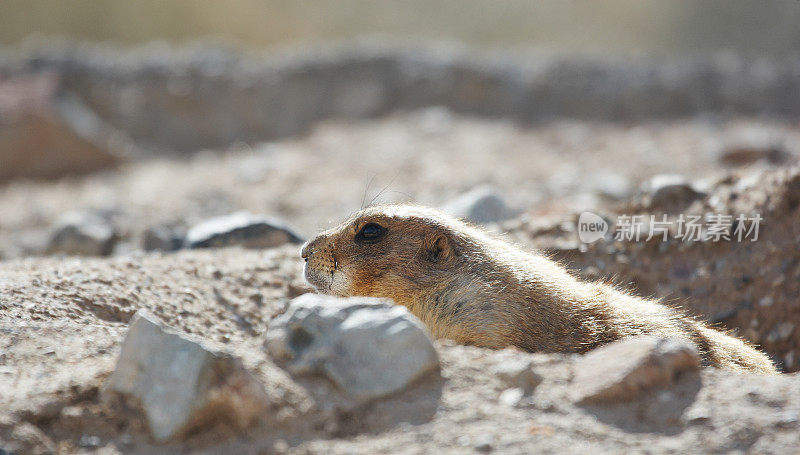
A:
{"x": 427, "y": 156}
{"x": 62, "y": 318}
{"x": 73, "y": 314}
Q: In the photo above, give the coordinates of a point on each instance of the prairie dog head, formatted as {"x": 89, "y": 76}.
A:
{"x": 385, "y": 251}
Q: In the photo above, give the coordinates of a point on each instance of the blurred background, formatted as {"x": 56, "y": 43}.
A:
{"x": 440, "y": 90}
{"x": 124, "y": 124}
{"x": 618, "y": 27}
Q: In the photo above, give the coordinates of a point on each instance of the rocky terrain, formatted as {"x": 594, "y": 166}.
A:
{"x": 65, "y": 320}
{"x": 163, "y": 230}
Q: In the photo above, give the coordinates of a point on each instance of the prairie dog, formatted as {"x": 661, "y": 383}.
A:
{"x": 474, "y": 288}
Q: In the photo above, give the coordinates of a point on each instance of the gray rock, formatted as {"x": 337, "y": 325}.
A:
{"x": 89, "y": 441}
{"x": 625, "y": 369}
{"x": 368, "y": 347}
{"x": 83, "y": 233}
{"x": 481, "y": 205}
{"x": 180, "y": 384}
{"x": 242, "y": 229}
{"x": 518, "y": 373}
{"x": 163, "y": 238}
{"x": 671, "y": 191}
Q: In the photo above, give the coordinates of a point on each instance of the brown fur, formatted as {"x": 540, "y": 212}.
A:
{"x": 473, "y": 288}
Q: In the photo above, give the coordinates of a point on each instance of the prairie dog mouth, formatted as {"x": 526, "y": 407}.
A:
{"x": 320, "y": 281}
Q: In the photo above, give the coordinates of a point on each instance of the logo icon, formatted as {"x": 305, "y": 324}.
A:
{"x": 591, "y": 227}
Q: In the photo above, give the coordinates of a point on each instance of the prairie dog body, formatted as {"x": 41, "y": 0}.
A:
{"x": 474, "y": 288}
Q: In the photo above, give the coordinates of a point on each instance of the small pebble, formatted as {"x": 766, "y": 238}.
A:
{"x": 512, "y": 397}
{"x": 89, "y": 441}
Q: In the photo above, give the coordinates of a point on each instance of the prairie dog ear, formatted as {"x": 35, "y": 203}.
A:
{"x": 438, "y": 248}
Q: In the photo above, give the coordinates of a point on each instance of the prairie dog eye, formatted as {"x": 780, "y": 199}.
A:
{"x": 371, "y": 232}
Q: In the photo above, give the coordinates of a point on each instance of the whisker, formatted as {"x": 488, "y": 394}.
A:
{"x": 381, "y": 192}
{"x": 366, "y": 190}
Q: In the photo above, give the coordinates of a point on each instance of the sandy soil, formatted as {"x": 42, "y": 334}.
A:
{"x": 62, "y": 319}
{"x": 73, "y": 314}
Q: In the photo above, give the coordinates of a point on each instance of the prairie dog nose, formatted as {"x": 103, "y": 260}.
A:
{"x": 309, "y": 248}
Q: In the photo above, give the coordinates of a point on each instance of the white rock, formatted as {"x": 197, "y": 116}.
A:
{"x": 180, "y": 384}
{"x": 243, "y": 229}
{"x": 368, "y": 347}
{"x": 664, "y": 180}
{"x": 512, "y": 397}
{"x": 624, "y": 369}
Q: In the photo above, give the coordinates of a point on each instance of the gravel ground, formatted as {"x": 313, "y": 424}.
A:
{"x": 73, "y": 313}
{"x": 62, "y": 318}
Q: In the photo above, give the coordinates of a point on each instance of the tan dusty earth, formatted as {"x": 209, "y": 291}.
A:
{"x": 62, "y": 319}
{"x": 58, "y": 351}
